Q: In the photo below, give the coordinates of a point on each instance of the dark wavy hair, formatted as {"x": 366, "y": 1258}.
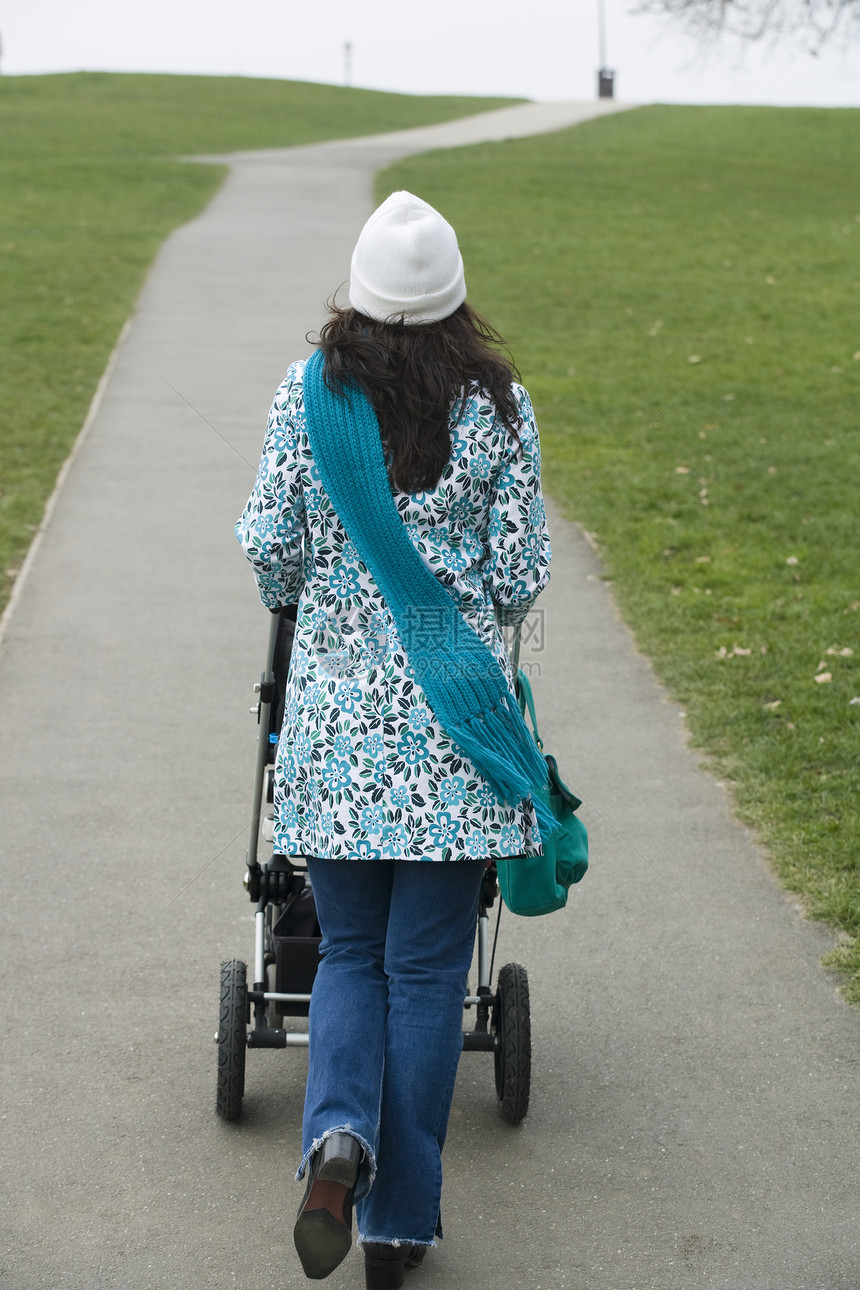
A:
{"x": 417, "y": 378}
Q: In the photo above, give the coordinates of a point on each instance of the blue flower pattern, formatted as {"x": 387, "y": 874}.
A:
{"x": 364, "y": 770}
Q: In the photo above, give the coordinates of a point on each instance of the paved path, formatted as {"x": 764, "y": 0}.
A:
{"x": 694, "y": 1115}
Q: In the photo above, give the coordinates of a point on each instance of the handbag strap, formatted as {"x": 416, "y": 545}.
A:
{"x": 557, "y": 784}
{"x": 526, "y": 698}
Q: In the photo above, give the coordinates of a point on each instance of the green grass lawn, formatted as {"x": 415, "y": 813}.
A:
{"x": 89, "y": 188}
{"x": 611, "y": 256}
{"x": 688, "y": 279}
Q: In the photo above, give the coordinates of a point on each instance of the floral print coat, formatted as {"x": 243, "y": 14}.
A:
{"x": 363, "y": 769}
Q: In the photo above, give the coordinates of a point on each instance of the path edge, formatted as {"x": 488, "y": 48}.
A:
{"x": 51, "y": 504}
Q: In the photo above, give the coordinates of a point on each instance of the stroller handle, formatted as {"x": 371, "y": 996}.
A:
{"x": 267, "y": 688}
{"x": 515, "y": 647}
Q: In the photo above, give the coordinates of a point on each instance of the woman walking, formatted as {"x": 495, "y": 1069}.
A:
{"x": 398, "y": 501}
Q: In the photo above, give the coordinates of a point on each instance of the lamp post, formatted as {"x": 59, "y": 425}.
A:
{"x": 605, "y": 77}
{"x": 347, "y": 62}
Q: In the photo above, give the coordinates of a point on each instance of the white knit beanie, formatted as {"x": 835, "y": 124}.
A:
{"x": 406, "y": 265}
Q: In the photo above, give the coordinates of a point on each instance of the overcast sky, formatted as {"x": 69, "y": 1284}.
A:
{"x": 540, "y": 49}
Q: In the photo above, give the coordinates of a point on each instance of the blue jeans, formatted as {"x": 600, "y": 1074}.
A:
{"x": 386, "y": 1028}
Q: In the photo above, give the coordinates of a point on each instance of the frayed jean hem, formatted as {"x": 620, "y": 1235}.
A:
{"x": 396, "y": 1242}
{"x": 366, "y": 1170}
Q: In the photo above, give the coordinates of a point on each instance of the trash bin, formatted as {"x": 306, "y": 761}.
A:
{"x": 605, "y": 83}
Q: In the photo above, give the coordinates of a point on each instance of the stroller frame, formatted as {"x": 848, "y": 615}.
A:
{"x": 251, "y": 1018}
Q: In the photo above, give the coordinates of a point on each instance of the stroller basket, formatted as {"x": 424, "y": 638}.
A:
{"x": 296, "y": 936}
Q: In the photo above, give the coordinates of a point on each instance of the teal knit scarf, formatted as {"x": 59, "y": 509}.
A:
{"x": 462, "y": 680}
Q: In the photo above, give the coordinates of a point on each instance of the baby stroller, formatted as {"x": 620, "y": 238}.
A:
{"x": 287, "y": 938}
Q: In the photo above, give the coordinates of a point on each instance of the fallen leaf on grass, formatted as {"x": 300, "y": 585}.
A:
{"x": 682, "y": 470}
{"x": 737, "y": 651}
{"x": 703, "y": 559}
{"x": 776, "y": 703}
{"x": 822, "y": 677}
{"x": 792, "y": 559}
{"x": 847, "y": 652}
{"x": 853, "y": 703}
{"x": 694, "y": 358}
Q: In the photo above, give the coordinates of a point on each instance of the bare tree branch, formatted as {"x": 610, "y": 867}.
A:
{"x": 811, "y": 23}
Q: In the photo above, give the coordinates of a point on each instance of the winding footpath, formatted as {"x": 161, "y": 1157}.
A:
{"x": 695, "y": 1112}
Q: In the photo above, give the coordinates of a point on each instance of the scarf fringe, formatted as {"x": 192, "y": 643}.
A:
{"x": 547, "y": 823}
{"x": 507, "y": 756}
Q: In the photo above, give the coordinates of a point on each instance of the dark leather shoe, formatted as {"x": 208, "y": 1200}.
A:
{"x": 323, "y": 1230}
{"x": 385, "y": 1265}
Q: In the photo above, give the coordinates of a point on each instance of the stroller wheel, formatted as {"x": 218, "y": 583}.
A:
{"x": 232, "y": 1039}
{"x": 513, "y": 1051}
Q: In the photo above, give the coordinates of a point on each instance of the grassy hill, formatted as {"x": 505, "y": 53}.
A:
{"x": 681, "y": 289}
{"x": 90, "y": 186}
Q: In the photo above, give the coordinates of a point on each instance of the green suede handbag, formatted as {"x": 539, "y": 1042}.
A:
{"x": 532, "y": 885}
